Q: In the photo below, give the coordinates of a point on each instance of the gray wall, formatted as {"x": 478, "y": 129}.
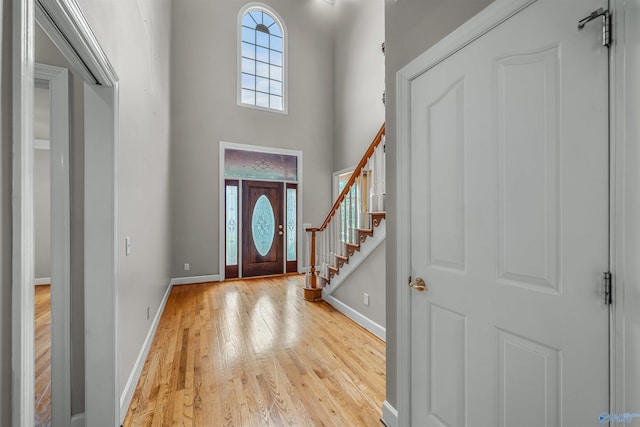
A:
{"x": 5, "y": 213}
{"x": 412, "y": 26}
{"x": 42, "y": 212}
{"x": 367, "y": 278}
{"x": 204, "y": 112}
{"x": 47, "y": 53}
{"x": 359, "y": 78}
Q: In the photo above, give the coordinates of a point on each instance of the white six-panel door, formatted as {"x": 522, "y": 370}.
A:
{"x": 509, "y": 226}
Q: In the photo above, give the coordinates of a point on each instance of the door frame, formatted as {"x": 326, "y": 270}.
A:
{"x": 486, "y": 20}
{"x": 246, "y": 235}
{"x": 623, "y": 137}
{"x": 58, "y": 81}
{"x": 65, "y": 24}
{"x": 221, "y": 201}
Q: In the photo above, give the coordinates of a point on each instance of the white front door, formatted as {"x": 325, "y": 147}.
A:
{"x": 509, "y": 226}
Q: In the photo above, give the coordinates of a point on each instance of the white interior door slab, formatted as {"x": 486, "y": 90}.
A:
{"x": 510, "y": 227}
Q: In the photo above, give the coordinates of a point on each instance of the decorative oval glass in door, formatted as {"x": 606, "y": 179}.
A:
{"x": 263, "y": 225}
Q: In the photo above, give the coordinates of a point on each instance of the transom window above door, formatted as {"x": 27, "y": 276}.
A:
{"x": 262, "y": 59}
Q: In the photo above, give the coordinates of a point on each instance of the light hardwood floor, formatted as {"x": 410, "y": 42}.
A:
{"x": 42, "y": 353}
{"x": 254, "y": 353}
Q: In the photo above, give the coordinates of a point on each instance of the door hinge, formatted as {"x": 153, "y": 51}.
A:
{"x": 608, "y": 291}
{"x": 606, "y": 24}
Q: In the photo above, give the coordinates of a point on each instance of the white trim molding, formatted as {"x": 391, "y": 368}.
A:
{"x": 42, "y": 281}
{"x": 66, "y": 26}
{"x": 362, "y": 320}
{"x": 136, "y": 371}
{"x": 58, "y": 82}
{"x": 483, "y": 22}
{"x": 389, "y": 415}
{"x": 191, "y": 280}
{"x": 101, "y": 258}
{"x": 625, "y": 136}
{"x": 22, "y": 360}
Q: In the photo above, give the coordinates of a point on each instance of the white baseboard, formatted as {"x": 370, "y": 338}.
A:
{"x": 134, "y": 376}
{"x": 356, "y": 316}
{"x": 195, "y": 279}
{"x": 78, "y": 420}
{"x": 42, "y": 281}
{"x": 389, "y": 415}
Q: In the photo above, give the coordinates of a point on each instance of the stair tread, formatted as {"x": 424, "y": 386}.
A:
{"x": 333, "y": 267}
{"x": 377, "y": 213}
{"x": 365, "y": 230}
{"x": 344, "y": 258}
{"x": 355, "y": 245}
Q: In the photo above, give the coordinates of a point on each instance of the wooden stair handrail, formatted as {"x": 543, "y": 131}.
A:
{"x": 313, "y": 230}
{"x": 356, "y": 173}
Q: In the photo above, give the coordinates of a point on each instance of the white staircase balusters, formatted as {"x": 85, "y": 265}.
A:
{"x": 363, "y": 194}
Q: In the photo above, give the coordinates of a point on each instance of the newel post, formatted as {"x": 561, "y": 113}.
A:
{"x": 312, "y": 292}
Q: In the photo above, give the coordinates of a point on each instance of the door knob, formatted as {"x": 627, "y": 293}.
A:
{"x": 280, "y": 233}
{"x": 280, "y": 226}
{"x": 418, "y": 284}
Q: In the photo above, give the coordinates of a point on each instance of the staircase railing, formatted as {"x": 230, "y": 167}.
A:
{"x": 353, "y": 216}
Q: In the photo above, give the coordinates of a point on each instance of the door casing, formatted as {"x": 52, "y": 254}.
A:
{"x": 58, "y": 79}
{"x": 65, "y": 24}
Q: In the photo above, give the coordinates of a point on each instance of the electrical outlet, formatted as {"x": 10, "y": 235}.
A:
{"x": 366, "y": 299}
{"x": 127, "y": 246}
{"x": 186, "y": 266}
{"x": 148, "y": 312}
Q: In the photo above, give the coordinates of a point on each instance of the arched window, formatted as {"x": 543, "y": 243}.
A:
{"x": 262, "y": 62}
